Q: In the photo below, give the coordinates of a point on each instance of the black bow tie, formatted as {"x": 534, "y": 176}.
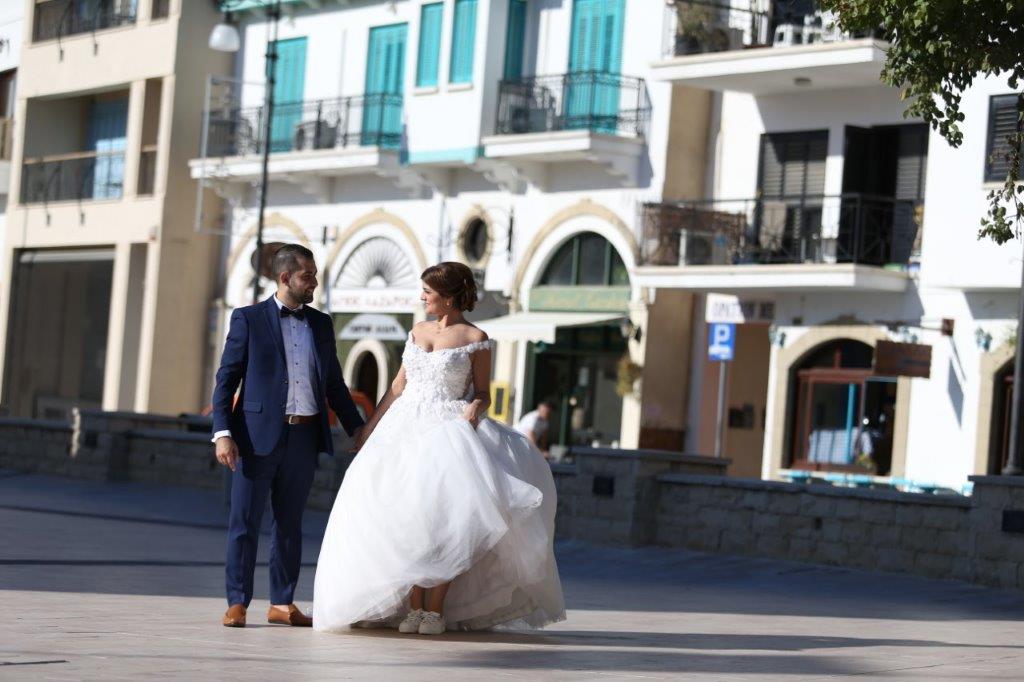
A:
{"x": 286, "y": 311}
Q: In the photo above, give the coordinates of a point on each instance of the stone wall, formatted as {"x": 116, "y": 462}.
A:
{"x": 124, "y": 446}
{"x": 610, "y": 495}
{"x": 621, "y": 497}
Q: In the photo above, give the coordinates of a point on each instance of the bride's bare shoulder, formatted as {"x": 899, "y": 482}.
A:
{"x": 474, "y": 334}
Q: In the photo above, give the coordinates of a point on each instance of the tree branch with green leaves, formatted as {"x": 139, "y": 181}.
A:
{"x": 937, "y": 49}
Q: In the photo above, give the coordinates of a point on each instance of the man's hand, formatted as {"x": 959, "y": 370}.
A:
{"x": 227, "y": 452}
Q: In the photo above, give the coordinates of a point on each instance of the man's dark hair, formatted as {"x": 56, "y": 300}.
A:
{"x": 286, "y": 258}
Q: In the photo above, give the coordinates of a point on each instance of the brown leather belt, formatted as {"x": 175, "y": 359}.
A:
{"x": 300, "y": 418}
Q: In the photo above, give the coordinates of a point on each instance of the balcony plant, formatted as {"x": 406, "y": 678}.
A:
{"x": 699, "y": 29}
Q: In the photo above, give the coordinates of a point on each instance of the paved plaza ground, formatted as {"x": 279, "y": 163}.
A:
{"x": 124, "y": 581}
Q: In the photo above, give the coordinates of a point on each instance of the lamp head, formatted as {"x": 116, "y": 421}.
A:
{"x": 224, "y": 36}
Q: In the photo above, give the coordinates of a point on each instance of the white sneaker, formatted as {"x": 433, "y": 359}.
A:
{"x": 432, "y": 624}
{"x": 411, "y": 622}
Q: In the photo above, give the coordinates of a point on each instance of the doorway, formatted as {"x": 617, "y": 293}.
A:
{"x": 578, "y": 377}
{"x": 842, "y": 415}
{"x": 57, "y": 333}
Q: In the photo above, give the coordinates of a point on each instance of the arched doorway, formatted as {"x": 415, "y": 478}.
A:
{"x": 842, "y": 414}
{"x": 373, "y": 296}
{"x": 367, "y": 376}
{"x": 578, "y": 374}
{"x": 1002, "y": 400}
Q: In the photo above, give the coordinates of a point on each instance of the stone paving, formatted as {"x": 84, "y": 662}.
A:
{"x": 112, "y": 581}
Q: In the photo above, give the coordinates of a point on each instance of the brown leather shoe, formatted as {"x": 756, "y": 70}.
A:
{"x": 292, "y": 617}
{"x": 234, "y": 617}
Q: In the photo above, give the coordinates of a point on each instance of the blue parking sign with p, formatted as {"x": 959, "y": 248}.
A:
{"x": 721, "y": 341}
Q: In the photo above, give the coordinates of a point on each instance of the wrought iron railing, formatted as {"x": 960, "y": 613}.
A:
{"x": 363, "y": 120}
{"x": 585, "y": 100}
{"x": 147, "y": 170}
{"x": 73, "y": 177}
{"x": 845, "y": 228}
{"x": 58, "y": 18}
{"x": 6, "y": 138}
{"x": 700, "y": 26}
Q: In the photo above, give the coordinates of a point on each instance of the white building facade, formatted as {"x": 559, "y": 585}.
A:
{"x": 518, "y": 136}
{"x": 856, "y": 226}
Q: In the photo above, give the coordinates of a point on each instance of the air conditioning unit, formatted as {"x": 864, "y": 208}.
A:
{"x": 702, "y": 248}
{"x": 314, "y": 135}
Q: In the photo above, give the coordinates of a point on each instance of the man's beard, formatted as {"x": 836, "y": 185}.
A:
{"x": 304, "y": 296}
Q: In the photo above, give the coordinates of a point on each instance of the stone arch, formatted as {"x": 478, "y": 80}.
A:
{"x": 273, "y": 220}
{"x": 786, "y": 358}
{"x": 990, "y": 365}
{"x": 379, "y": 353}
{"x": 377, "y": 216}
{"x": 562, "y": 226}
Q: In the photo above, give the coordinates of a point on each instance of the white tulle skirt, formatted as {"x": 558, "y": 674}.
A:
{"x": 441, "y": 502}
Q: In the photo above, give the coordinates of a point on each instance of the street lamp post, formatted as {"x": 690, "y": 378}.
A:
{"x": 225, "y": 39}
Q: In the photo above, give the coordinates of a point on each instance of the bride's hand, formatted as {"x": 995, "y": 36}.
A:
{"x": 472, "y": 413}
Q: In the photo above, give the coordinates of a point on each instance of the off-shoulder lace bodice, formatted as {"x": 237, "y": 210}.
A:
{"x": 438, "y": 382}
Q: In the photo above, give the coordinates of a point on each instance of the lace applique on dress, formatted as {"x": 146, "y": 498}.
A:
{"x": 438, "y": 381}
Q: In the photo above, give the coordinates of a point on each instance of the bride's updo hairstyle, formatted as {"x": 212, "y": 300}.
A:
{"x": 452, "y": 280}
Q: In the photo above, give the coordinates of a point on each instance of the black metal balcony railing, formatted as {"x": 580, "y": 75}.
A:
{"x": 363, "y": 120}
{"x": 846, "y": 228}
{"x": 73, "y": 177}
{"x": 58, "y": 18}
{"x": 700, "y": 26}
{"x": 585, "y": 100}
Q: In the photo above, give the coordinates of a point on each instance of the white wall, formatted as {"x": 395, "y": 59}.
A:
{"x": 451, "y": 120}
{"x": 955, "y": 202}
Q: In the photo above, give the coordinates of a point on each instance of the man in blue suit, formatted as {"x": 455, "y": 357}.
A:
{"x": 283, "y": 354}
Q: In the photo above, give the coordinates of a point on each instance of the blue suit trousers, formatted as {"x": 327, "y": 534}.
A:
{"x": 285, "y": 476}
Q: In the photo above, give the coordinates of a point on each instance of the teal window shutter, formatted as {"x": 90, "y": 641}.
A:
{"x": 463, "y": 39}
{"x": 429, "y": 56}
{"x": 514, "y": 37}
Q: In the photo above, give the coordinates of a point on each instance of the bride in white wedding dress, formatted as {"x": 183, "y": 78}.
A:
{"x": 445, "y": 519}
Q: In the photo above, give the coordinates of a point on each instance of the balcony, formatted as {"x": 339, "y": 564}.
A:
{"x": 55, "y": 19}
{"x": 309, "y": 141}
{"x": 82, "y": 176}
{"x": 594, "y": 117}
{"x": 847, "y": 241}
{"x": 763, "y": 48}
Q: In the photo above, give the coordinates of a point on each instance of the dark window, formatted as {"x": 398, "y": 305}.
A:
{"x": 1003, "y": 121}
{"x": 587, "y": 259}
{"x": 475, "y": 239}
{"x": 793, "y": 164}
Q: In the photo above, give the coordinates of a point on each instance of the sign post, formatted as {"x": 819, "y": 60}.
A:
{"x": 721, "y": 349}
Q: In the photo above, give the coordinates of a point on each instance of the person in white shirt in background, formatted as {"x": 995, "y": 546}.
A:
{"x": 534, "y": 425}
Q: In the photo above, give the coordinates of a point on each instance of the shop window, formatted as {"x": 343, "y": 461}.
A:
{"x": 841, "y": 414}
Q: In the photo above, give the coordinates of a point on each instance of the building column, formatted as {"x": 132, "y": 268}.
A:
{"x": 116, "y": 326}
{"x": 147, "y": 332}
{"x": 629, "y": 431}
{"x": 133, "y": 145}
{"x": 163, "y": 135}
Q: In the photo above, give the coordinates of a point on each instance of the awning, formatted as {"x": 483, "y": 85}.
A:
{"x": 540, "y": 326}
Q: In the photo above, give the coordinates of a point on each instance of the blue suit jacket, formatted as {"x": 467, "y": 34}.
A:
{"x": 254, "y": 357}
